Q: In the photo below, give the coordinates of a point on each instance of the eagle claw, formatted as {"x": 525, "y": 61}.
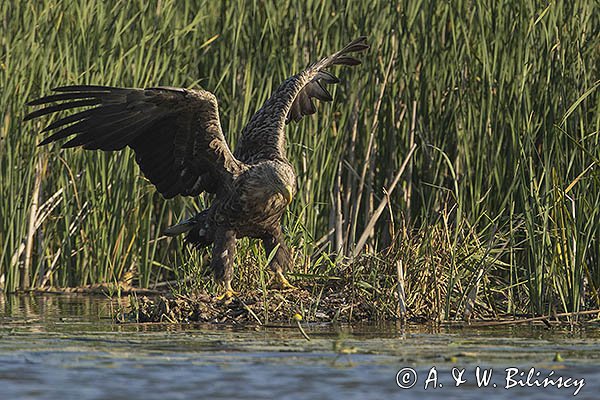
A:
{"x": 228, "y": 294}
{"x": 283, "y": 282}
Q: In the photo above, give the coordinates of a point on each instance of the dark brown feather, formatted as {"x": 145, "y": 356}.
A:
{"x": 175, "y": 133}
{"x": 62, "y": 96}
{"x": 61, "y": 107}
{"x": 263, "y": 138}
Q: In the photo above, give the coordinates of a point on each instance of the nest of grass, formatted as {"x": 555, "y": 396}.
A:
{"x": 253, "y": 307}
{"x": 364, "y": 290}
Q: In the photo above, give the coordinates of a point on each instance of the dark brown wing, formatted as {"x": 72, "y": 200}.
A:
{"x": 175, "y": 133}
{"x": 264, "y": 137}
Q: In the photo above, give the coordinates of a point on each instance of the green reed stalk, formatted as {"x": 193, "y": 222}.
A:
{"x": 506, "y": 120}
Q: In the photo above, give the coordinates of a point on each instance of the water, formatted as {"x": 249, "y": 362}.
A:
{"x": 58, "y": 347}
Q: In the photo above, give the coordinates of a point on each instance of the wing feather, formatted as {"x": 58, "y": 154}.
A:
{"x": 62, "y": 107}
{"x": 263, "y": 138}
{"x": 175, "y": 133}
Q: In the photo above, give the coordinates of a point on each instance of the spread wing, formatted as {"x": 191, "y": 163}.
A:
{"x": 175, "y": 133}
{"x": 264, "y": 137}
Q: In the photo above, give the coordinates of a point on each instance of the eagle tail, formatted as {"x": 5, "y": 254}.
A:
{"x": 201, "y": 234}
{"x": 181, "y": 227}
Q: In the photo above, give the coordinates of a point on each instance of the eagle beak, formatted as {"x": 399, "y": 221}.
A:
{"x": 288, "y": 193}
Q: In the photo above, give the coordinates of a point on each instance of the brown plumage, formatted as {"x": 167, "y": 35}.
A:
{"x": 179, "y": 145}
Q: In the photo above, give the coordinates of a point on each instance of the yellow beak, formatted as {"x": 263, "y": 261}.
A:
{"x": 288, "y": 193}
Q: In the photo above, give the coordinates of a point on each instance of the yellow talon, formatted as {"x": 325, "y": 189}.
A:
{"x": 285, "y": 284}
{"x": 288, "y": 194}
{"x": 228, "y": 294}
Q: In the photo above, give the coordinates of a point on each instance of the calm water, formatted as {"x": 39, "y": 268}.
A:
{"x": 69, "y": 348}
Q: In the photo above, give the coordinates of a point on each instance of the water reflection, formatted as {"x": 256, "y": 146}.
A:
{"x": 54, "y": 307}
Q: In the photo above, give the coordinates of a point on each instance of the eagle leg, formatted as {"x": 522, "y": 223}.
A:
{"x": 223, "y": 254}
{"x": 281, "y": 260}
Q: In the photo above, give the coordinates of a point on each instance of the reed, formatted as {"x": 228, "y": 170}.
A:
{"x": 497, "y": 209}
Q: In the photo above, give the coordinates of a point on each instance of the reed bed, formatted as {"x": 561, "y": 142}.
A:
{"x": 463, "y": 153}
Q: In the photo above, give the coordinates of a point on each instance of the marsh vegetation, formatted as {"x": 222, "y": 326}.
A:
{"x": 463, "y": 153}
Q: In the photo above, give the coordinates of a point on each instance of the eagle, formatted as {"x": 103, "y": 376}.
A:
{"x": 180, "y": 148}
